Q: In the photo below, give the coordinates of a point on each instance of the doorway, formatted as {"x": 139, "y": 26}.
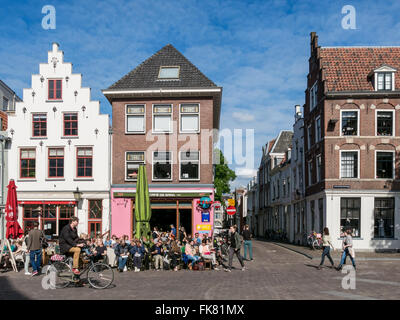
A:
{"x": 163, "y": 218}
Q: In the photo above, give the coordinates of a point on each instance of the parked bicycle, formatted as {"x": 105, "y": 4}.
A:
{"x": 98, "y": 274}
{"x": 314, "y": 240}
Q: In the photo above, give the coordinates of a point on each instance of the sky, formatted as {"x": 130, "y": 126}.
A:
{"x": 256, "y": 50}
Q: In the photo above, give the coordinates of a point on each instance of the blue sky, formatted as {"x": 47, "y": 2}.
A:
{"x": 256, "y": 50}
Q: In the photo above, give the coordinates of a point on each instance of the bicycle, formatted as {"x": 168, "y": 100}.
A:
{"x": 314, "y": 241}
{"x": 99, "y": 275}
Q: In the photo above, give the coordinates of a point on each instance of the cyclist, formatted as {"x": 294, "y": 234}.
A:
{"x": 68, "y": 241}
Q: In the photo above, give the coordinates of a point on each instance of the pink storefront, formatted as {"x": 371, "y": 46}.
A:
{"x": 177, "y": 205}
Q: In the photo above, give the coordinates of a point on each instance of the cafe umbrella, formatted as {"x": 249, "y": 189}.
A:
{"x": 13, "y": 229}
{"x": 142, "y": 205}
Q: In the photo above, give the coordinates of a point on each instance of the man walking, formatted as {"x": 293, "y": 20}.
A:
{"x": 234, "y": 248}
{"x": 34, "y": 248}
{"x": 247, "y": 242}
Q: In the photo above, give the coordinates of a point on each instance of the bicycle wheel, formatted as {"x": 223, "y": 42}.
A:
{"x": 315, "y": 245}
{"x": 100, "y": 276}
{"x": 60, "y": 274}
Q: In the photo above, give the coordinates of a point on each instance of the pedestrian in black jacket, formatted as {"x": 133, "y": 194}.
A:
{"x": 68, "y": 241}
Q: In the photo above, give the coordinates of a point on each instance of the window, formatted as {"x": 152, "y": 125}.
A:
{"x": 313, "y": 96}
{"x": 169, "y": 72}
{"x": 349, "y": 164}
{"x": 55, "y": 90}
{"x": 310, "y": 169}
{"x": 28, "y": 163}
{"x": 384, "y": 165}
{"x": 95, "y": 217}
{"x": 56, "y": 163}
{"x": 384, "y": 123}
{"x": 321, "y": 214}
{"x": 189, "y": 117}
{"x": 318, "y": 129}
{"x": 162, "y": 165}
{"x": 384, "y": 218}
{"x": 309, "y": 136}
{"x": 312, "y": 209}
{"x": 70, "y": 124}
{"x": 162, "y": 118}
{"x": 49, "y": 220}
{"x": 319, "y": 168}
{"x": 350, "y": 209}
{"x": 5, "y": 104}
{"x": 31, "y": 214}
{"x": 384, "y": 81}
{"x": 349, "y": 123}
{"x": 84, "y": 163}
{"x": 190, "y": 165}
{"x": 133, "y": 161}
{"x": 66, "y": 212}
{"x": 135, "y": 119}
{"x": 39, "y": 125}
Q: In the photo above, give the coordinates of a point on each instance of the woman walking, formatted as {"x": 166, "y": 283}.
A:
{"x": 347, "y": 246}
{"x": 326, "y": 244}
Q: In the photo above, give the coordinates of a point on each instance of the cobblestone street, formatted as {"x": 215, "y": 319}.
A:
{"x": 276, "y": 273}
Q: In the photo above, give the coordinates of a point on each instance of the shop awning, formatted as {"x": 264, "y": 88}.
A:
{"x": 47, "y": 202}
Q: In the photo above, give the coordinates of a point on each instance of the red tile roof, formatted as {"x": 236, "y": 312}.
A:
{"x": 347, "y": 69}
{"x": 271, "y": 144}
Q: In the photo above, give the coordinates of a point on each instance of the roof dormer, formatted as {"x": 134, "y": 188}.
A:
{"x": 383, "y": 78}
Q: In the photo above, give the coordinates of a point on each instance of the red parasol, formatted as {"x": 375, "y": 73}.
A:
{"x": 14, "y": 230}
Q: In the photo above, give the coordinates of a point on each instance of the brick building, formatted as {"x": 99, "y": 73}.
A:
{"x": 164, "y": 112}
{"x": 352, "y": 143}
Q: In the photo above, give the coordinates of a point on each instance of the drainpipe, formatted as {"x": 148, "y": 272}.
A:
{"x": 109, "y": 178}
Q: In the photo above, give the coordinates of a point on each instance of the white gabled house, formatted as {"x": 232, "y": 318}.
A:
{"x": 60, "y": 142}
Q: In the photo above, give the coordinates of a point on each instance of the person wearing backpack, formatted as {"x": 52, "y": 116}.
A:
{"x": 235, "y": 245}
{"x": 34, "y": 247}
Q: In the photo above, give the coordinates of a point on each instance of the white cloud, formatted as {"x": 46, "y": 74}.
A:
{"x": 242, "y": 117}
{"x": 245, "y": 172}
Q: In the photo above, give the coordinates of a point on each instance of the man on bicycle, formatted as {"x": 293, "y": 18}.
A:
{"x": 68, "y": 241}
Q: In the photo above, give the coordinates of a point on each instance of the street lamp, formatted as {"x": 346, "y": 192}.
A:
{"x": 77, "y": 194}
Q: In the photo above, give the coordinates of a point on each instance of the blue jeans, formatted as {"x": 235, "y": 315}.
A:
{"x": 122, "y": 262}
{"x": 36, "y": 259}
{"x": 327, "y": 253}
{"x": 344, "y": 257}
{"x": 248, "y": 244}
{"x": 194, "y": 259}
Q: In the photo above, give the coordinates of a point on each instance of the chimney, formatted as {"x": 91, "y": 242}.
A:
{"x": 298, "y": 113}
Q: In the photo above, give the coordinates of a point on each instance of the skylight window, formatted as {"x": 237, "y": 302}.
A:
{"x": 168, "y": 73}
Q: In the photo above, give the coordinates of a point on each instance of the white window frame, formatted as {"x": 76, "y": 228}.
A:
{"x": 126, "y": 118}
{"x": 393, "y": 122}
{"x": 393, "y": 164}
{"x": 154, "y": 114}
{"x": 180, "y": 162}
{"x": 318, "y": 137}
{"x": 358, "y": 164}
{"x": 126, "y": 163}
{"x": 169, "y": 67}
{"x": 152, "y": 166}
{"x": 313, "y": 95}
{"x": 196, "y": 113}
{"x": 384, "y": 80}
{"x": 358, "y": 122}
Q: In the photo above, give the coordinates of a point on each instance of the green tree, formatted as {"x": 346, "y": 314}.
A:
{"x": 223, "y": 176}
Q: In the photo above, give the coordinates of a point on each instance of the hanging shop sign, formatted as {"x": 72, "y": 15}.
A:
{"x": 203, "y": 227}
{"x": 231, "y": 211}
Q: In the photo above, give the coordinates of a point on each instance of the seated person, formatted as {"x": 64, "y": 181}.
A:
{"x": 174, "y": 253}
{"x": 157, "y": 253}
{"x": 206, "y": 253}
{"x": 197, "y": 240}
{"x": 88, "y": 248}
{"x": 107, "y": 242}
{"x": 100, "y": 251}
{"x": 122, "y": 252}
{"x": 137, "y": 252}
{"x": 190, "y": 252}
{"x": 19, "y": 251}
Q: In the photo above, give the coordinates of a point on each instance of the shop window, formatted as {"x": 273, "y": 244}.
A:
{"x": 56, "y": 163}
{"x": 39, "y": 125}
{"x": 384, "y": 123}
{"x": 384, "y": 165}
{"x": 70, "y": 124}
{"x": 162, "y": 118}
{"x": 349, "y": 123}
{"x": 190, "y": 118}
{"x": 49, "y": 220}
{"x": 95, "y": 217}
{"x": 66, "y": 212}
{"x": 190, "y": 165}
{"x": 28, "y": 163}
{"x": 135, "y": 119}
{"x": 55, "y": 90}
{"x": 162, "y": 165}
{"x": 384, "y": 218}
{"x": 133, "y": 160}
{"x": 350, "y": 216}
{"x": 84, "y": 162}
{"x": 349, "y": 164}
{"x": 31, "y": 214}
